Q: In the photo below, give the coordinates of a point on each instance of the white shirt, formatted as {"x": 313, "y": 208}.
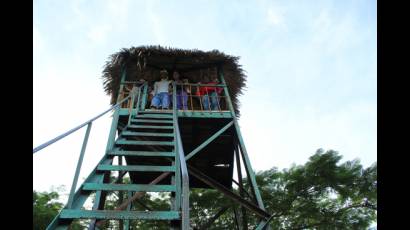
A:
{"x": 161, "y": 86}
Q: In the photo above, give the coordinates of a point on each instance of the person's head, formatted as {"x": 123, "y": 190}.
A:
{"x": 176, "y": 76}
{"x": 163, "y": 74}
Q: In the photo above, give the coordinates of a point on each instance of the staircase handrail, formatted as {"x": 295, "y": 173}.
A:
{"x": 42, "y": 146}
{"x": 184, "y": 169}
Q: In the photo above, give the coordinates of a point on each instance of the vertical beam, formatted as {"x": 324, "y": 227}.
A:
{"x": 127, "y": 222}
{"x": 79, "y": 163}
{"x": 137, "y": 107}
{"x": 212, "y": 220}
{"x": 239, "y": 169}
{"x": 237, "y": 219}
{"x": 120, "y": 193}
{"x": 247, "y": 162}
{"x": 144, "y": 97}
{"x": 131, "y": 107}
{"x": 100, "y": 196}
{"x": 114, "y": 123}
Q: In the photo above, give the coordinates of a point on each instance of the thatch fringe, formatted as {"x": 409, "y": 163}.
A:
{"x": 146, "y": 62}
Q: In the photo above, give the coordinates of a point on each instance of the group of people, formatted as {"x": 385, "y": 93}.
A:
{"x": 161, "y": 96}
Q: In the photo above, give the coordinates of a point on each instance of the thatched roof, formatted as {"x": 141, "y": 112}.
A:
{"x": 146, "y": 62}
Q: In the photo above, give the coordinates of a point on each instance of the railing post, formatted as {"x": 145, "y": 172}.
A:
{"x": 137, "y": 107}
{"x": 113, "y": 130}
{"x": 144, "y": 97}
{"x": 133, "y": 94}
{"x": 79, "y": 163}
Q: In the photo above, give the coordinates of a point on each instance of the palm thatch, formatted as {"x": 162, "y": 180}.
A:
{"x": 145, "y": 62}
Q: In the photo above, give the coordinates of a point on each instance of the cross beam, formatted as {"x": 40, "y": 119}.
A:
{"x": 209, "y": 140}
{"x": 212, "y": 220}
{"x": 211, "y": 182}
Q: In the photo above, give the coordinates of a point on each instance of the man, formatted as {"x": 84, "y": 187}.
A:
{"x": 160, "y": 92}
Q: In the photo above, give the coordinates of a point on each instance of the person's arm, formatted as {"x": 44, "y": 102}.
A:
{"x": 154, "y": 91}
{"x": 170, "y": 85}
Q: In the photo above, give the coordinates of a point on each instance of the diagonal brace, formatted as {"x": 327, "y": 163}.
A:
{"x": 209, "y": 140}
{"x": 211, "y": 182}
{"x": 212, "y": 220}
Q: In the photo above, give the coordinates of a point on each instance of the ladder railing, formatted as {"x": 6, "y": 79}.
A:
{"x": 184, "y": 170}
{"x": 52, "y": 141}
{"x": 88, "y": 123}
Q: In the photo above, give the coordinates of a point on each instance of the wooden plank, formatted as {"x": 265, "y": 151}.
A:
{"x": 130, "y": 133}
{"x": 124, "y": 215}
{"x": 128, "y": 142}
{"x": 136, "y": 168}
{"x": 142, "y": 153}
{"x": 129, "y": 187}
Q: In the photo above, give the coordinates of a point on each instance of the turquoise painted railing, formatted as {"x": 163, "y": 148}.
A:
{"x": 191, "y": 90}
{"x": 180, "y": 155}
{"x": 85, "y": 141}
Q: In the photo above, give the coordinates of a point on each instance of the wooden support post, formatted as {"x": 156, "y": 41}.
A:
{"x": 127, "y": 222}
{"x": 212, "y": 219}
{"x": 120, "y": 193}
{"x": 241, "y": 188}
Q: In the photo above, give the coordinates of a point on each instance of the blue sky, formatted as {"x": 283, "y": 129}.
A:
{"x": 311, "y": 69}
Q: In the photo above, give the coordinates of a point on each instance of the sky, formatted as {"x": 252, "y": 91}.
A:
{"x": 311, "y": 68}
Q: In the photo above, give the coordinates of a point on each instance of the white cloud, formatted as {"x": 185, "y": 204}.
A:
{"x": 99, "y": 33}
{"x": 334, "y": 34}
{"x": 156, "y": 24}
{"x": 276, "y": 13}
{"x": 118, "y": 8}
{"x": 274, "y": 17}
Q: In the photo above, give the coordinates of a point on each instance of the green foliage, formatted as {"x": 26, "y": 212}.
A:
{"x": 321, "y": 194}
{"x": 45, "y": 208}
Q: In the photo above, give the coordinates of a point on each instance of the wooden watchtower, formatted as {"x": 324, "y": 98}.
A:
{"x": 169, "y": 150}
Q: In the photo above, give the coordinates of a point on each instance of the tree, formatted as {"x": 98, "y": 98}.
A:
{"x": 321, "y": 194}
{"x": 45, "y": 208}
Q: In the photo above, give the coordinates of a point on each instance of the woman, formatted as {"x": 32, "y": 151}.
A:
{"x": 182, "y": 92}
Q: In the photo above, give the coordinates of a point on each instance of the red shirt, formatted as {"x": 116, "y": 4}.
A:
{"x": 204, "y": 90}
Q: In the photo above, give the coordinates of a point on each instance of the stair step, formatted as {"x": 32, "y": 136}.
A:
{"x": 135, "y": 168}
{"x": 129, "y": 187}
{"x": 142, "y": 153}
{"x": 124, "y": 215}
{"x": 131, "y": 133}
{"x": 150, "y": 127}
{"x": 170, "y": 116}
{"x": 128, "y": 142}
{"x": 152, "y": 121}
{"x": 156, "y": 111}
